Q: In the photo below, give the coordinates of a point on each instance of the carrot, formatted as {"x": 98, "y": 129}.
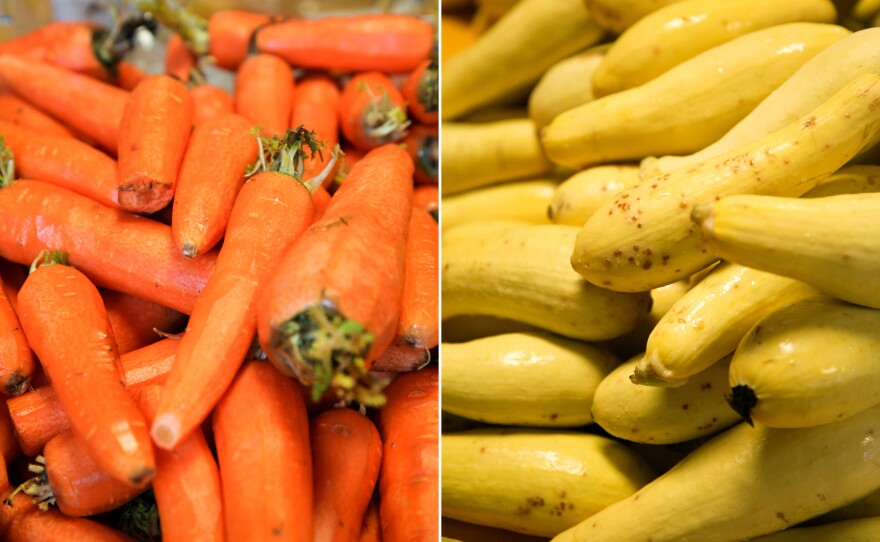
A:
{"x": 427, "y": 197}
{"x": 372, "y": 112}
{"x": 152, "y": 140}
{"x": 209, "y": 102}
{"x": 266, "y": 477}
{"x": 86, "y": 105}
{"x": 216, "y": 160}
{"x": 408, "y": 483}
{"x": 37, "y": 415}
{"x": 386, "y": 42}
{"x": 422, "y": 144}
{"x": 4, "y": 475}
{"x": 371, "y": 529}
{"x": 12, "y": 276}
{"x": 64, "y": 319}
{"x": 264, "y": 88}
{"x": 63, "y": 161}
{"x": 113, "y": 247}
{"x": 400, "y": 358}
{"x": 326, "y": 320}
{"x": 179, "y": 60}
{"x": 9, "y": 448}
{"x": 186, "y": 485}
{"x": 23, "y": 521}
{"x": 421, "y": 91}
{"x": 351, "y": 155}
{"x": 230, "y": 33}
{"x": 68, "y": 477}
{"x": 315, "y": 106}
{"x": 346, "y": 456}
{"x": 419, "y": 315}
{"x": 16, "y": 111}
{"x": 271, "y": 211}
{"x": 128, "y": 76}
{"x": 16, "y": 358}
{"x": 320, "y": 199}
{"x": 135, "y": 321}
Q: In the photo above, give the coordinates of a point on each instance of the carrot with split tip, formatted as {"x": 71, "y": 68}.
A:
{"x": 37, "y": 415}
{"x": 179, "y": 60}
{"x": 186, "y": 485}
{"x": 408, "y": 483}
{"x": 266, "y": 478}
{"x": 419, "y": 316}
{"x": 16, "y": 111}
{"x": 315, "y": 106}
{"x": 423, "y": 145}
{"x": 152, "y": 140}
{"x": 264, "y": 89}
{"x": 372, "y": 112}
{"x": 427, "y": 197}
{"x": 386, "y": 42}
{"x": 212, "y": 173}
{"x": 63, "y": 161}
{"x": 111, "y": 246}
{"x": 210, "y": 102}
{"x": 136, "y": 322}
{"x": 346, "y": 456}
{"x": 422, "y": 92}
{"x": 63, "y": 316}
{"x": 271, "y": 211}
{"x": 84, "y": 104}
{"x": 327, "y": 321}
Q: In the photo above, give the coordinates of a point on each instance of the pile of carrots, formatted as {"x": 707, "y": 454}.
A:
{"x": 219, "y": 311}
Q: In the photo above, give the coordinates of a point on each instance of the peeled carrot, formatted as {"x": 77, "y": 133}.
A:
{"x": 372, "y": 112}
{"x": 270, "y": 213}
{"x": 400, "y": 358}
{"x": 135, "y": 321}
{"x": 16, "y": 358}
{"x": 64, "y": 319}
{"x": 229, "y": 35}
{"x": 212, "y": 173}
{"x": 326, "y": 321}
{"x": 427, "y": 197}
{"x": 152, "y": 140}
{"x": 264, "y": 88}
{"x": 63, "y": 161}
{"x": 267, "y": 476}
{"x": 37, "y": 415}
{"x": 422, "y": 143}
{"x": 387, "y": 42}
{"x": 315, "y": 106}
{"x": 179, "y": 60}
{"x": 23, "y": 521}
{"x": 408, "y": 483}
{"x": 20, "y": 113}
{"x": 421, "y": 91}
{"x": 209, "y": 102}
{"x": 186, "y": 485}
{"x": 9, "y": 448}
{"x": 113, "y": 247}
{"x": 346, "y": 456}
{"x": 371, "y": 529}
{"x": 420, "y": 315}
{"x": 86, "y": 105}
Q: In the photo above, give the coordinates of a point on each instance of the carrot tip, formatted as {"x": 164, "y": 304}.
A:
{"x": 16, "y": 384}
{"x": 189, "y": 250}
{"x": 165, "y": 431}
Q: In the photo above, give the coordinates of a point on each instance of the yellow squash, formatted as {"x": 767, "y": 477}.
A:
{"x": 858, "y": 530}
{"x": 517, "y": 200}
{"x": 618, "y": 15}
{"x": 848, "y": 180}
{"x": 578, "y": 197}
{"x": 565, "y": 85}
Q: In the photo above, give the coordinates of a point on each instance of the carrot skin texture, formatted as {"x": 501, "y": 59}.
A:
{"x": 271, "y": 212}
{"x": 320, "y": 199}
{"x": 63, "y": 161}
{"x": 421, "y": 143}
{"x": 84, "y": 104}
{"x": 152, "y": 140}
{"x": 16, "y": 111}
{"x": 420, "y": 315}
{"x": 63, "y": 316}
{"x": 264, "y": 89}
{"x": 37, "y": 415}
{"x": 361, "y": 96}
{"x": 210, "y": 178}
{"x": 179, "y": 60}
{"x": 111, "y": 246}
{"x": 16, "y": 358}
{"x": 421, "y": 87}
{"x": 409, "y": 480}
{"x": 346, "y": 456}
{"x": 229, "y": 35}
{"x": 388, "y": 43}
{"x": 186, "y": 485}
{"x": 134, "y": 321}
{"x": 209, "y": 102}
{"x": 267, "y": 477}
{"x": 316, "y": 106}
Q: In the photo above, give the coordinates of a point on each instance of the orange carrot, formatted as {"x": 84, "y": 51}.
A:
{"x": 229, "y": 35}
{"x": 16, "y": 358}
{"x": 152, "y": 140}
{"x": 427, "y": 197}
{"x": 135, "y": 321}
{"x": 346, "y": 456}
{"x": 386, "y": 42}
{"x": 400, "y": 358}
{"x": 372, "y": 112}
{"x": 23, "y": 521}
{"x": 420, "y": 314}
{"x": 210, "y": 102}
{"x": 63, "y": 161}
{"x": 270, "y": 213}
{"x": 422, "y": 143}
{"x": 12, "y": 276}
{"x": 422, "y": 93}
{"x": 179, "y": 60}
{"x": 64, "y": 319}
{"x": 9, "y": 448}
{"x": 409, "y": 480}
{"x": 212, "y": 173}
{"x": 320, "y": 199}
{"x": 37, "y": 415}
{"x": 264, "y": 88}
{"x": 315, "y": 106}
{"x": 113, "y": 247}
{"x": 86, "y": 105}
{"x": 66, "y": 44}
{"x": 371, "y": 530}
{"x": 186, "y": 485}
{"x": 4, "y": 475}
{"x": 128, "y": 76}
{"x": 325, "y": 322}
{"x": 266, "y": 477}
{"x": 20, "y": 113}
